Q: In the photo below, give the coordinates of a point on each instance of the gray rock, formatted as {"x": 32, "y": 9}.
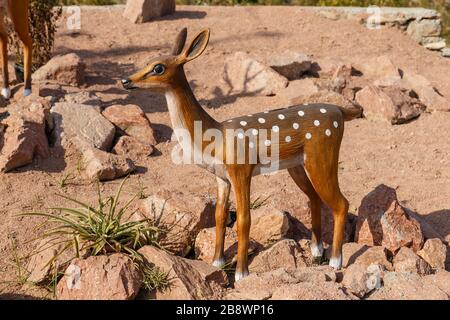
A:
{"x": 420, "y": 29}
{"x": 139, "y": 11}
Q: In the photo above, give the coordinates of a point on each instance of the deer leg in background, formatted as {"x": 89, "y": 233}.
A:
{"x": 20, "y": 16}
{"x": 223, "y": 193}
{"x": 6, "y": 91}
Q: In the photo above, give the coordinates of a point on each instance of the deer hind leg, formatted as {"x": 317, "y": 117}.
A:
{"x": 5, "y": 91}
{"x": 19, "y": 16}
{"x": 321, "y": 166}
{"x": 241, "y": 180}
{"x": 223, "y": 193}
{"x": 300, "y": 177}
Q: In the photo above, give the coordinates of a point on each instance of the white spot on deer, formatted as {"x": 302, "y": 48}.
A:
{"x": 335, "y": 124}
{"x": 301, "y": 113}
{"x": 251, "y": 145}
{"x": 316, "y": 123}
{"x": 323, "y": 110}
{"x": 287, "y": 139}
{"x": 261, "y": 120}
{"x": 240, "y": 135}
{"x": 281, "y": 116}
{"x": 249, "y": 115}
{"x": 266, "y": 111}
{"x": 243, "y": 123}
{"x": 267, "y": 143}
{"x": 275, "y": 128}
{"x": 328, "y": 132}
{"x": 231, "y": 120}
{"x": 295, "y": 125}
{"x": 308, "y": 135}
{"x": 255, "y": 132}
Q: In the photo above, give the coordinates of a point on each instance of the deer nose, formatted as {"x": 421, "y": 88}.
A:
{"x": 126, "y": 83}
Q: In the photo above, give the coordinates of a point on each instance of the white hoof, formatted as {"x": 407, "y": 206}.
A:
{"x": 6, "y": 93}
{"x": 317, "y": 250}
{"x": 240, "y": 275}
{"x": 336, "y": 262}
{"x": 26, "y": 92}
{"x": 219, "y": 263}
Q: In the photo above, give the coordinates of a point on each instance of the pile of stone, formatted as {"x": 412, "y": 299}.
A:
{"x": 379, "y": 87}
{"x": 110, "y": 138}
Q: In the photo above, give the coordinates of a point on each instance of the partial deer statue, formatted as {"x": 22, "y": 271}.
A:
{"x": 18, "y": 12}
{"x": 304, "y": 139}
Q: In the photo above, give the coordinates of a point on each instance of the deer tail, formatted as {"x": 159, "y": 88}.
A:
{"x": 351, "y": 112}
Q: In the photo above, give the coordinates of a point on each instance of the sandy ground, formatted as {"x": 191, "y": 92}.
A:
{"x": 414, "y": 157}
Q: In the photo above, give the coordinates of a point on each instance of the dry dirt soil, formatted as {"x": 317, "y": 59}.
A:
{"x": 413, "y": 157}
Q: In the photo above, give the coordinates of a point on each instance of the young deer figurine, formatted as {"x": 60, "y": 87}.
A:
{"x": 304, "y": 138}
{"x": 18, "y": 11}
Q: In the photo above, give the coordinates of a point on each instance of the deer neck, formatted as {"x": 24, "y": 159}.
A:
{"x": 186, "y": 114}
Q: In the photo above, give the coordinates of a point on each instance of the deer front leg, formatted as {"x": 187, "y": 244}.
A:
{"x": 6, "y": 91}
{"x": 241, "y": 180}
{"x": 223, "y": 193}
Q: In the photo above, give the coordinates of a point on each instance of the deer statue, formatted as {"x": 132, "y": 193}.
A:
{"x": 304, "y": 139}
{"x": 18, "y": 12}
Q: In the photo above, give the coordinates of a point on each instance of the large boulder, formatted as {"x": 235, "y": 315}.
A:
{"x": 132, "y": 120}
{"x": 82, "y": 122}
{"x": 290, "y": 64}
{"x": 391, "y": 103}
{"x": 285, "y": 253}
{"x": 382, "y": 221}
{"x": 246, "y": 74}
{"x": 180, "y": 216}
{"x": 25, "y": 136}
{"x": 66, "y": 69}
{"x": 108, "y": 277}
{"x": 185, "y": 281}
{"x": 139, "y": 11}
{"x": 434, "y": 252}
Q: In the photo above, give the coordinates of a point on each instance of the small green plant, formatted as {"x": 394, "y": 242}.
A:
{"x": 141, "y": 190}
{"x": 100, "y": 230}
{"x": 154, "y": 278}
{"x": 66, "y": 180}
{"x": 258, "y": 202}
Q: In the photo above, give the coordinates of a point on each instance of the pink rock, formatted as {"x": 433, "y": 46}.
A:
{"x": 132, "y": 148}
{"x": 407, "y": 261}
{"x": 139, "y": 11}
{"x": 382, "y": 221}
{"x": 290, "y": 64}
{"x": 105, "y": 166}
{"x": 112, "y": 277}
{"x": 300, "y": 89}
{"x": 360, "y": 281}
{"x": 64, "y": 69}
{"x": 363, "y": 255}
{"x": 434, "y": 252}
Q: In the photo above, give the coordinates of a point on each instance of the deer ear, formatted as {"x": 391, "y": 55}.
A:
{"x": 180, "y": 41}
{"x": 197, "y": 46}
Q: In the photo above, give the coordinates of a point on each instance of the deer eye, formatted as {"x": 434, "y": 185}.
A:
{"x": 159, "y": 69}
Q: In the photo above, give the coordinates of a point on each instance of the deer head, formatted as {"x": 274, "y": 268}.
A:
{"x": 162, "y": 72}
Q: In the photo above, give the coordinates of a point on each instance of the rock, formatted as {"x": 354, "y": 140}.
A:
{"x": 441, "y": 279}
{"x": 285, "y": 253}
{"x": 24, "y": 137}
{"x": 206, "y": 240}
{"x": 139, "y": 11}
{"x": 268, "y": 225}
{"x": 132, "y": 120}
{"x": 310, "y": 291}
{"x": 290, "y": 64}
{"x": 407, "y": 286}
{"x": 327, "y": 66}
{"x": 185, "y": 282}
{"x": 314, "y": 274}
{"x": 407, "y": 261}
{"x": 47, "y": 259}
{"x": 246, "y": 74}
{"x": 420, "y": 29}
{"x": 341, "y": 78}
{"x": 84, "y": 97}
{"x": 111, "y": 277}
{"x": 434, "y": 252}
{"x": 82, "y": 122}
{"x": 301, "y": 89}
{"x": 66, "y": 69}
{"x": 446, "y": 52}
{"x": 359, "y": 281}
{"x": 383, "y": 221}
{"x": 381, "y": 68}
{"x": 436, "y": 45}
{"x": 180, "y": 216}
{"x": 426, "y": 92}
{"x": 105, "y": 166}
{"x": 359, "y": 254}
{"x": 394, "y": 104}
{"x": 209, "y": 273}
{"x": 132, "y": 148}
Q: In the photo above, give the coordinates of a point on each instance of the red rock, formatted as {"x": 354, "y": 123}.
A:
{"x": 394, "y": 104}
{"x": 441, "y": 279}
{"x": 24, "y": 137}
{"x": 66, "y": 69}
{"x": 341, "y": 78}
{"x": 105, "y": 166}
{"x": 407, "y": 261}
{"x": 181, "y": 217}
{"x": 208, "y": 272}
{"x": 186, "y": 283}
{"x": 382, "y": 221}
{"x": 112, "y": 277}
{"x": 365, "y": 256}
{"x": 131, "y": 119}
{"x": 381, "y": 67}
{"x": 132, "y": 148}
{"x": 139, "y": 11}
{"x": 310, "y": 291}
{"x": 359, "y": 281}
{"x": 434, "y": 252}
